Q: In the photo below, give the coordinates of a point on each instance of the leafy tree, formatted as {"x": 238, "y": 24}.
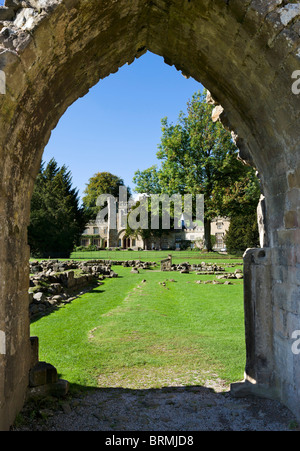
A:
{"x": 198, "y": 156}
{"x": 147, "y": 181}
{"x": 240, "y": 201}
{"x": 57, "y": 220}
{"x": 242, "y": 233}
{"x": 241, "y": 191}
{"x": 101, "y": 183}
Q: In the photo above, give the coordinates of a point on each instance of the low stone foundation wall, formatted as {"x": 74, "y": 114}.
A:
{"x": 50, "y": 288}
{"x": 54, "y": 283}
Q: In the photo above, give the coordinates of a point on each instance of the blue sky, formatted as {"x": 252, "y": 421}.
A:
{"x": 116, "y": 127}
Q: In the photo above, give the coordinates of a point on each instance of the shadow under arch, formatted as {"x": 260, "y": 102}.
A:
{"x": 168, "y": 408}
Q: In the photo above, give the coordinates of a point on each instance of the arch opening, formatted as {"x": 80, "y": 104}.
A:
{"x": 128, "y": 242}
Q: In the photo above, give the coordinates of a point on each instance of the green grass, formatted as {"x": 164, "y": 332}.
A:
{"x": 137, "y": 334}
{"x": 157, "y": 256}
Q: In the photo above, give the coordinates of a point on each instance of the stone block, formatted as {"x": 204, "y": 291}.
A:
{"x": 166, "y": 264}
{"x": 57, "y": 288}
{"x": 6, "y": 13}
{"x": 294, "y": 178}
{"x": 58, "y": 389}
{"x": 71, "y": 282}
{"x": 14, "y": 4}
{"x": 291, "y": 220}
{"x": 30, "y": 298}
{"x": 39, "y": 297}
{"x": 34, "y": 346}
{"x": 41, "y": 374}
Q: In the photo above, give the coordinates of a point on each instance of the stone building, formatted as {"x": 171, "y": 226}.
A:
{"x": 99, "y": 234}
{"x": 219, "y": 227}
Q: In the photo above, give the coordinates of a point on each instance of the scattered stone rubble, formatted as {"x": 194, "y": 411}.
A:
{"x": 208, "y": 269}
{"x": 136, "y": 265}
{"x": 202, "y": 268}
{"x": 237, "y": 274}
{"x": 54, "y": 283}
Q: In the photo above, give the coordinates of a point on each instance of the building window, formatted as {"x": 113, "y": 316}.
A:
{"x": 133, "y": 242}
{"x": 96, "y": 230}
{"x": 220, "y": 240}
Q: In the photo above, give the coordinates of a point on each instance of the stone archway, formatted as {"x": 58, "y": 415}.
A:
{"x": 245, "y": 52}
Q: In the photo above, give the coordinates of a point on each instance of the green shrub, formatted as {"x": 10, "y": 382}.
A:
{"x": 242, "y": 234}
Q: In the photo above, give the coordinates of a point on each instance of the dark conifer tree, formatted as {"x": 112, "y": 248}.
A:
{"x": 57, "y": 220}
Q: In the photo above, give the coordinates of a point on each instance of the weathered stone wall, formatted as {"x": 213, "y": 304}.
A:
{"x": 166, "y": 264}
{"x": 243, "y": 51}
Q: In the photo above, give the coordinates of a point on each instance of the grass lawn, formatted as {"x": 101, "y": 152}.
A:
{"x": 135, "y": 334}
{"x": 157, "y": 256}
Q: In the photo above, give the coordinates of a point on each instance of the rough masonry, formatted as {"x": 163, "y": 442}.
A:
{"x": 245, "y": 52}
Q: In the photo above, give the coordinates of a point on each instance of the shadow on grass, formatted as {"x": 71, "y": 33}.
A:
{"x": 49, "y": 309}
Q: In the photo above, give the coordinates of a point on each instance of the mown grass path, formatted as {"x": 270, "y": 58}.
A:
{"x": 157, "y": 256}
{"x": 135, "y": 334}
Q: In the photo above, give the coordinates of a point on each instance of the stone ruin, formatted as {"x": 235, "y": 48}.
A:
{"x": 43, "y": 377}
{"x": 202, "y": 268}
{"x": 137, "y": 264}
{"x": 247, "y": 54}
{"x": 166, "y": 264}
{"x": 54, "y": 283}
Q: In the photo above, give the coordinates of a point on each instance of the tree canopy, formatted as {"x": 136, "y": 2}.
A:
{"x": 242, "y": 233}
{"x": 57, "y": 220}
{"x": 101, "y": 183}
{"x": 198, "y": 156}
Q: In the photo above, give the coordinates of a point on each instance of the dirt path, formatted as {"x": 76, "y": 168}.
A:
{"x": 165, "y": 409}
